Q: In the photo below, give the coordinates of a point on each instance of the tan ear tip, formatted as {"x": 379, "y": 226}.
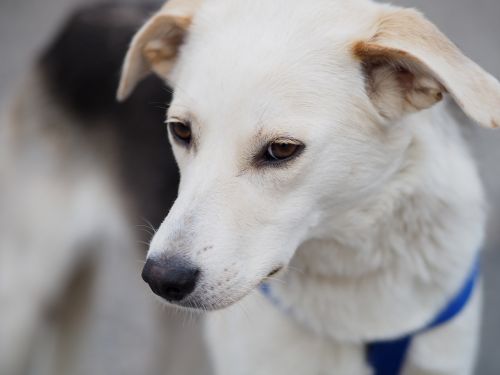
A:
{"x": 494, "y": 124}
{"x": 123, "y": 93}
{"x": 120, "y": 97}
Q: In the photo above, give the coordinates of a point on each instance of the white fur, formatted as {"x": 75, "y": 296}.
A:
{"x": 63, "y": 210}
{"x": 381, "y": 217}
{"x": 59, "y": 204}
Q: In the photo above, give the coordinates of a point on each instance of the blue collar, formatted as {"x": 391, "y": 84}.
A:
{"x": 387, "y": 357}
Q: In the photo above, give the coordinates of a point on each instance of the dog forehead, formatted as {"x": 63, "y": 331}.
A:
{"x": 259, "y": 35}
{"x": 284, "y": 14}
{"x": 263, "y": 58}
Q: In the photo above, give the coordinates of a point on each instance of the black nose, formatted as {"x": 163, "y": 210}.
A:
{"x": 170, "y": 278}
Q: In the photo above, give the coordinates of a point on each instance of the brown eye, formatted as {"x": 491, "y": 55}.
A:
{"x": 180, "y": 131}
{"x": 282, "y": 150}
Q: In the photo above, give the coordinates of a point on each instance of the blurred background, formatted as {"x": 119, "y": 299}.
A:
{"x": 84, "y": 181}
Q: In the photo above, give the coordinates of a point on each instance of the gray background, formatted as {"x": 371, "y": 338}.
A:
{"x": 25, "y": 26}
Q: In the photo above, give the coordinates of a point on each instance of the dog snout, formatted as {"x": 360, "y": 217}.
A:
{"x": 171, "y": 278}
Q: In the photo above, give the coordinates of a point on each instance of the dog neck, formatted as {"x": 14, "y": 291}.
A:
{"x": 401, "y": 253}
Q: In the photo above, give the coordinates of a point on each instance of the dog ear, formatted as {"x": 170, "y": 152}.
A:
{"x": 155, "y": 46}
{"x": 410, "y": 64}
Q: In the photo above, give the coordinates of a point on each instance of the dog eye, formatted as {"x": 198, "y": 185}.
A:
{"x": 180, "y": 131}
{"x": 283, "y": 150}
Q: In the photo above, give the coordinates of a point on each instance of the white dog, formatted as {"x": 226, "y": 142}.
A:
{"x": 310, "y": 133}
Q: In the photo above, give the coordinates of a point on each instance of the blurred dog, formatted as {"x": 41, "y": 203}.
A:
{"x": 311, "y": 133}
{"x": 81, "y": 176}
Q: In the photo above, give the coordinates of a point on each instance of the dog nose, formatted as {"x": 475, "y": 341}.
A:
{"x": 170, "y": 278}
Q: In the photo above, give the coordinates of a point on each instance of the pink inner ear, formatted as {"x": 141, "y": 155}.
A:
{"x": 407, "y": 37}
{"x": 405, "y": 79}
{"x": 398, "y": 87}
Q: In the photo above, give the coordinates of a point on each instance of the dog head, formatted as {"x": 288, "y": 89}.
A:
{"x": 284, "y": 112}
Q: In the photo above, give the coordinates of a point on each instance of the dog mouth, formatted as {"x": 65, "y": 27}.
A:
{"x": 194, "y": 303}
{"x": 274, "y": 272}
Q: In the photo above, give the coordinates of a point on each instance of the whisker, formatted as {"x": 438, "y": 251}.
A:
{"x": 145, "y": 228}
{"x": 292, "y": 268}
{"x": 271, "y": 278}
{"x": 151, "y": 226}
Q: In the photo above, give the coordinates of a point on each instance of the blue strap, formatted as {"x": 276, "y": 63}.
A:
{"x": 460, "y": 301}
{"x": 388, "y": 357}
{"x": 265, "y": 289}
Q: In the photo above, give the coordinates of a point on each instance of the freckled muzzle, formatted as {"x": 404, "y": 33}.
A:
{"x": 171, "y": 278}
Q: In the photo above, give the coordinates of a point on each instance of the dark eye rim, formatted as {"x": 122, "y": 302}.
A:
{"x": 181, "y": 140}
{"x": 264, "y": 159}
